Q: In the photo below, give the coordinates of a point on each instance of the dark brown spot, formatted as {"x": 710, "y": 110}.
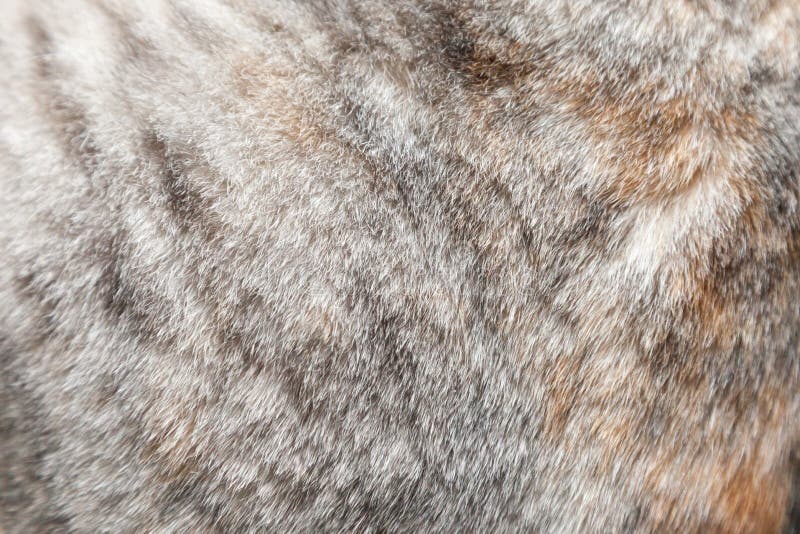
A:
{"x": 485, "y": 62}
{"x": 792, "y": 525}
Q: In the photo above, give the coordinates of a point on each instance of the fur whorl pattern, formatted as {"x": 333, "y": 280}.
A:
{"x": 391, "y": 265}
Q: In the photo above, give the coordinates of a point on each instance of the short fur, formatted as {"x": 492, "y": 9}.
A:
{"x": 509, "y": 265}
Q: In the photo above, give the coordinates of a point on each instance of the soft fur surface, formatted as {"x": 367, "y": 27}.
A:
{"x": 388, "y": 265}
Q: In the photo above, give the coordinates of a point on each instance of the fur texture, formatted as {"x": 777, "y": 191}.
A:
{"x": 399, "y": 264}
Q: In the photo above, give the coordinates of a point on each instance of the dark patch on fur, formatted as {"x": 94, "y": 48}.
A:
{"x": 793, "y": 514}
{"x": 80, "y": 144}
{"x": 395, "y": 181}
{"x": 138, "y": 48}
{"x": 486, "y": 71}
{"x": 384, "y": 326}
{"x": 69, "y": 117}
{"x": 484, "y": 65}
{"x": 121, "y": 300}
{"x": 198, "y": 31}
{"x": 42, "y": 46}
{"x": 423, "y": 186}
{"x": 190, "y": 208}
{"x": 26, "y": 502}
{"x": 39, "y": 291}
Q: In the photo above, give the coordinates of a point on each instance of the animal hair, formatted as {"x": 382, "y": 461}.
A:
{"x": 399, "y": 265}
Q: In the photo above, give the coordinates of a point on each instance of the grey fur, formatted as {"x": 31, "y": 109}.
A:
{"x": 399, "y": 265}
